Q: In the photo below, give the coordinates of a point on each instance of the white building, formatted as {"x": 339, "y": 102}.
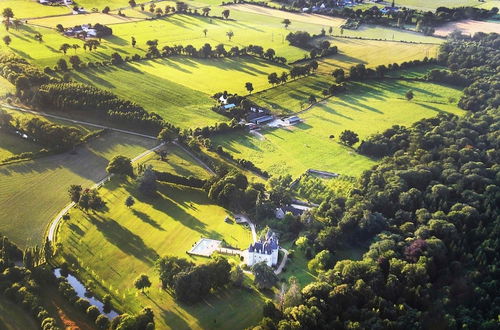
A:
{"x": 264, "y": 250}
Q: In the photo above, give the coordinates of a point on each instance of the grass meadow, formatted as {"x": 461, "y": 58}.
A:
{"x": 367, "y": 108}
{"x": 113, "y": 247}
{"x": 179, "y": 88}
{"x": 33, "y": 192}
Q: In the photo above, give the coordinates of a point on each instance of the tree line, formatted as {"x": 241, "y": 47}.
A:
{"x": 430, "y": 215}
{"x": 36, "y": 87}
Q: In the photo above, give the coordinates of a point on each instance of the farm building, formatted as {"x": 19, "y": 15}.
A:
{"x": 228, "y": 106}
{"x": 280, "y": 212}
{"x": 292, "y": 120}
{"x": 262, "y": 119}
{"x": 265, "y": 250}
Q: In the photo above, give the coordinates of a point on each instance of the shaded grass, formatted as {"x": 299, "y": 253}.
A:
{"x": 114, "y": 246}
{"x": 13, "y": 317}
{"x": 367, "y": 108}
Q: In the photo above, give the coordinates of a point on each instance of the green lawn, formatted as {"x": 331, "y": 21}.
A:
{"x": 13, "y": 317}
{"x": 366, "y": 109}
{"x": 180, "y": 88}
{"x": 113, "y": 247}
{"x": 33, "y": 192}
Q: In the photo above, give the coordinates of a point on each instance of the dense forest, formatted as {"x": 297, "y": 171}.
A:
{"x": 430, "y": 212}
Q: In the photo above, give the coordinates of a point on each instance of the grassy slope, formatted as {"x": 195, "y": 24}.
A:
{"x": 13, "y": 317}
{"x": 179, "y": 88}
{"x": 177, "y": 161}
{"x": 32, "y": 192}
{"x": 131, "y": 239}
{"x": 367, "y": 108}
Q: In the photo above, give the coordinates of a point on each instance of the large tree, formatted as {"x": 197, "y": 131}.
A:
{"x": 348, "y": 137}
{"x": 120, "y": 165}
{"x": 265, "y": 278}
{"x": 142, "y": 282}
{"x": 286, "y": 22}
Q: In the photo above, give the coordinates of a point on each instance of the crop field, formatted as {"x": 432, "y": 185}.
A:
{"x": 33, "y": 192}
{"x": 179, "y": 88}
{"x": 372, "y": 53}
{"x": 434, "y": 4}
{"x": 468, "y": 27}
{"x": 133, "y": 237}
{"x": 366, "y": 108}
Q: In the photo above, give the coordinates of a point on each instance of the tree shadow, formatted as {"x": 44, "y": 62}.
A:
{"x": 123, "y": 238}
{"x": 147, "y": 219}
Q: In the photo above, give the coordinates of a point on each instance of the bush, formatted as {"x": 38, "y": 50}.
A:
{"x": 93, "y": 313}
{"x": 102, "y": 322}
{"x": 82, "y": 304}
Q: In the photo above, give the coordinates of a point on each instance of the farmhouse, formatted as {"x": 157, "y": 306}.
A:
{"x": 266, "y": 250}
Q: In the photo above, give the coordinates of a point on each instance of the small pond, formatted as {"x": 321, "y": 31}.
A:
{"x": 81, "y": 290}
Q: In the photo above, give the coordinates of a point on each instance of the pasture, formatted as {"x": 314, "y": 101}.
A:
{"x": 113, "y": 247}
{"x": 367, "y": 108}
{"x": 33, "y": 192}
{"x": 179, "y": 88}
{"x": 372, "y": 53}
